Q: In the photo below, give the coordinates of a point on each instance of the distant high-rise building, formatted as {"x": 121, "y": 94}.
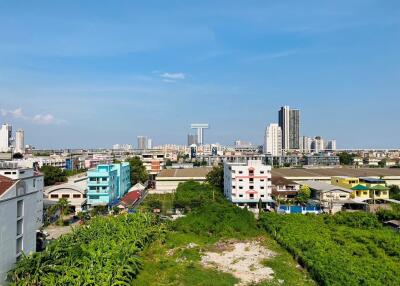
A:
{"x": 19, "y": 142}
{"x": 273, "y": 140}
{"x": 5, "y": 138}
{"x": 192, "y": 139}
{"x": 305, "y": 144}
{"x": 149, "y": 143}
{"x": 200, "y": 127}
{"x": 318, "y": 144}
{"x": 142, "y": 142}
{"x": 331, "y": 145}
{"x": 289, "y": 121}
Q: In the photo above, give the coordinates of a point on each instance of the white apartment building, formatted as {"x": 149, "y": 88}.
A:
{"x": 245, "y": 184}
{"x": 53, "y": 160}
{"x": 19, "y": 142}
{"x": 5, "y": 138}
{"x": 273, "y": 140}
{"x": 21, "y": 212}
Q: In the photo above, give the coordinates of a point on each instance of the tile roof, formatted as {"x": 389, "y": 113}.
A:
{"x": 351, "y": 172}
{"x": 281, "y": 181}
{"x": 5, "y": 184}
{"x": 131, "y": 198}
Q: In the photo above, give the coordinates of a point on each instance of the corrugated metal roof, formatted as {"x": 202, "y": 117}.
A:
{"x": 324, "y": 187}
{"x": 351, "y": 172}
{"x": 185, "y": 173}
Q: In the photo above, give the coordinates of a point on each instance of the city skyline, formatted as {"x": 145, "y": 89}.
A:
{"x": 94, "y": 81}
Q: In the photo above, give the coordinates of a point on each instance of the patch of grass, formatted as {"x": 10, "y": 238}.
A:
{"x": 285, "y": 267}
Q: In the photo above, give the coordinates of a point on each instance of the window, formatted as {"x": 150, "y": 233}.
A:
{"x": 262, "y": 196}
{"x": 20, "y": 225}
{"x": 240, "y": 172}
{"x": 240, "y": 196}
{"x": 251, "y": 187}
{"x": 251, "y": 196}
{"x": 76, "y": 196}
{"x": 65, "y": 196}
{"x": 261, "y": 180}
{"x": 262, "y": 187}
{"x": 233, "y": 187}
{"x": 240, "y": 188}
{"x": 54, "y": 196}
{"x": 20, "y": 208}
{"x": 19, "y": 245}
{"x": 94, "y": 197}
{"x": 7, "y": 173}
{"x": 261, "y": 172}
{"x": 240, "y": 180}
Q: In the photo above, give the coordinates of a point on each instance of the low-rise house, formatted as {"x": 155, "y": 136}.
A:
{"x": 248, "y": 184}
{"x": 345, "y": 181}
{"x": 168, "y": 180}
{"x": 75, "y": 194}
{"x": 130, "y": 200}
{"x": 283, "y": 188}
{"x": 21, "y": 213}
{"x": 332, "y": 198}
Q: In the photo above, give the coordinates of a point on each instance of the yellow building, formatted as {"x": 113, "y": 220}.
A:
{"x": 360, "y": 191}
{"x": 345, "y": 182}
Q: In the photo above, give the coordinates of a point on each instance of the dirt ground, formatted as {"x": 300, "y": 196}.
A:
{"x": 242, "y": 259}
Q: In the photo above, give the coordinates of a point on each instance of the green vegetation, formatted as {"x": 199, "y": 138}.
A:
{"x": 53, "y": 175}
{"x": 394, "y": 192}
{"x": 345, "y": 249}
{"x": 346, "y": 158}
{"x": 210, "y": 219}
{"x": 139, "y": 173}
{"x": 304, "y": 195}
{"x": 216, "y": 177}
{"x": 104, "y": 252}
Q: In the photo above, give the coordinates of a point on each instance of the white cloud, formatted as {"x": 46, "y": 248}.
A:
{"x": 173, "y": 76}
{"x": 44, "y": 119}
{"x": 17, "y": 113}
{"x": 41, "y": 119}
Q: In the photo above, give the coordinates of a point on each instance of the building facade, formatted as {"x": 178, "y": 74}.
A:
{"x": 106, "y": 184}
{"x": 273, "y": 140}
{"x": 21, "y": 213}
{"x": 142, "y": 142}
{"x": 289, "y": 121}
{"x": 248, "y": 183}
{"x": 5, "y": 138}
{"x": 19, "y": 141}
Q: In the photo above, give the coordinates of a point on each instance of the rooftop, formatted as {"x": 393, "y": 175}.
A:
{"x": 324, "y": 187}
{"x": 5, "y": 184}
{"x": 364, "y": 172}
{"x": 281, "y": 181}
{"x": 185, "y": 173}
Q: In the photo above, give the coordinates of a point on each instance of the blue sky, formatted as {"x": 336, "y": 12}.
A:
{"x": 95, "y": 73}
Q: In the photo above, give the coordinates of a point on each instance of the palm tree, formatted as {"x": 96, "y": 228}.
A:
{"x": 62, "y": 206}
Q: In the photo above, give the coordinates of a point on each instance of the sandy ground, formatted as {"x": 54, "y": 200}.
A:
{"x": 241, "y": 259}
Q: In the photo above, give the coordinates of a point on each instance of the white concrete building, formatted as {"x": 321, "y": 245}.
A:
{"x": 19, "y": 142}
{"x": 53, "y": 160}
{"x": 5, "y": 138}
{"x": 245, "y": 184}
{"x": 273, "y": 140}
{"x": 21, "y": 212}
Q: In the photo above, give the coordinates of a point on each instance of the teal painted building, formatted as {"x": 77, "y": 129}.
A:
{"x": 106, "y": 184}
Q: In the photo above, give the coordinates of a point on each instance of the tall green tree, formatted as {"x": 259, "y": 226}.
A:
{"x": 304, "y": 194}
{"x": 216, "y": 177}
{"x": 346, "y": 158}
{"x": 394, "y": 192}
{"x": 62, "y": 206}
{"x": 139, "y": 173}
{"x": 53, "y": 175}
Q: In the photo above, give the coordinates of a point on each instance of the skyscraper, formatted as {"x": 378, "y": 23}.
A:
{"x": 5, "y": 138}
{"x": 273, "y": 140}
{"x": 289, "y": 121}
{"x": 19, "y": 141}
{"x": 192, "y": 139}
{"x": 142, "y": 142}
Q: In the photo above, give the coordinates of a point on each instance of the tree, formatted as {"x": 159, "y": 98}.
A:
{"x": 53, "y": 175}
{"x": 139, "y": 173}
{"x": 168, "y": 163}
{"x": 394, "y": 192}
{"x": 304, "y": 194}
{"x": 62, "y": 206}
{"x": 346, "y": 158}
{"x": 216, "y": 177}
{"x": 116, "y": 210}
